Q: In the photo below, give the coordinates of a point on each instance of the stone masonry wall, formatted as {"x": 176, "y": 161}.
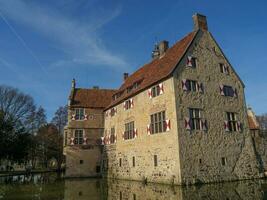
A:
{"x": 84, "y": 160}
{"x": 201, "y": 152}
{"x": 144, "y": 147}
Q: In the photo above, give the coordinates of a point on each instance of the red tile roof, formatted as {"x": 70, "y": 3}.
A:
{"x": 91, "y": 98}
{"x": 154, "y": 71}
{"x": 252, "y": 124}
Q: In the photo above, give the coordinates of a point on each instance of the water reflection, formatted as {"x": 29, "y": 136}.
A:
{"x": 51, "y": 186}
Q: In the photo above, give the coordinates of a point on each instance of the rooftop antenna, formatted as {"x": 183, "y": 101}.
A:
{"x": 155, "y": 52}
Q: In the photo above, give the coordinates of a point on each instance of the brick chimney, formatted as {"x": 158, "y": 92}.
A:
{"x": 125, "y": 76}
{"x": 160, "y": 49}
{"x": 163, "y": 46}
{"x": 200, "y": 22}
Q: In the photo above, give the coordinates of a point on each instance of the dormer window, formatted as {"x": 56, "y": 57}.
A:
{"x": 129, "y": 89}
{"x": 136, "y": 85}
{"x": 79, "y": 113}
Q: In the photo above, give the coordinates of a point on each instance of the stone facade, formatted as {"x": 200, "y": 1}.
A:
{"x": 212, "y": 154}
{"x": 201, "y": 152}
{"x": 84, "y": 160}
{"x": 201, "y": 130}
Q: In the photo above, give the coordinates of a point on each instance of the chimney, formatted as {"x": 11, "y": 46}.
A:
{"x": 96, "y": 87}
{"x": 160, "y": 49}
{"x": 200, "y": 22}
{"x": 125, "y": 76}
{"x": 73, "y": 84}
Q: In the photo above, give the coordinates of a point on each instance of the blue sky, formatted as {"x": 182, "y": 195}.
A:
{"x": 44, "y": 44}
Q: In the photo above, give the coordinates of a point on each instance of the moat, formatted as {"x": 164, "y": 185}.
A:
{"x": 54, "y": 187}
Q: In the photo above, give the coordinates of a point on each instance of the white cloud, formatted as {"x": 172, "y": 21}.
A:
{"x": 80, "y": 40}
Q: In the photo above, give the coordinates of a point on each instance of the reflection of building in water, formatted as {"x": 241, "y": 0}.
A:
{"x": 180, "y": 119}
{"x": 245, "y": 190}
{"x": 80, "y": 189}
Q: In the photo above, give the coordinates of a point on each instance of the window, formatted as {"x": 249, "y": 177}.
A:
{"x": 191, "y": 62}
{"x": 97, "y": 169}
{"x": 200, "y": 161}
{"x": 224, "y": 69}
{"x": 81, "y": 162}
{"x": 136, "y": 85}
{"x": 129, "y": 131}
{"x": 78, "y": 136}
{"x": 155, "y": 91}
{"x": 112, "y": 135}
{"x": 158, "y": 123}
{"x": 191, "y": 85}
{"x": 133, "y": 161}
{"x": 232, "y": 121}
{"x": 120, "y": 162}
{"x": 113, "y": 112}
{"x": 155, "y": 160}
{"x": 79, "y": 114}
{"x": 195, "y": 118}
{"x": 228, "y": 91}
{"x": 223, "y": 161}
{"x": 129, "y": 89}
{"x": 128, "y": 104}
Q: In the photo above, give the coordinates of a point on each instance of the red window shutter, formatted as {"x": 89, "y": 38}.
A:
{"x": 187, "y": 123}
{"x": 226, "y": 69}
{"x": 135, "y": 133}
{"x": 221, "y": 90}
{"x": 226, "y": 126}
{"x": 148, "y": 129}
{"x": 102, "y": 140}
{"x": 200, "y": 87}
{"x": 73, "y": 117}
{"x": 203, "y": 124}
{"x": 239, "y": 126}
{"x": 85, "y": 140}
{"x": 72, "y": 141}
{"x": 161, "y": 90}
{"x": 184, "y": 84}
{"x": 108, "y": 139}
{"x": 150, "y": 93}
{"x": 168, "y": 125}
{"x": 131, "y": 103}
{"x": 235, "y": 92}
{"x": 189, "y": 61}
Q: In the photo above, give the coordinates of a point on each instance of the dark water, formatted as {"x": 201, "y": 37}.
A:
{"x": 52, "y": 187}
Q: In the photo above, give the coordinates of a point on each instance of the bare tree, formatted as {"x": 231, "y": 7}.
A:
{"x": 61, "y": 118}
{"x": 15, "y": 105}
{"x": 51, "y": 143}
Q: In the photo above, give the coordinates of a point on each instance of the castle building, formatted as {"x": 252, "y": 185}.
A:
{"x": 180, "y": 119}
{"x": 82, "y": 135}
